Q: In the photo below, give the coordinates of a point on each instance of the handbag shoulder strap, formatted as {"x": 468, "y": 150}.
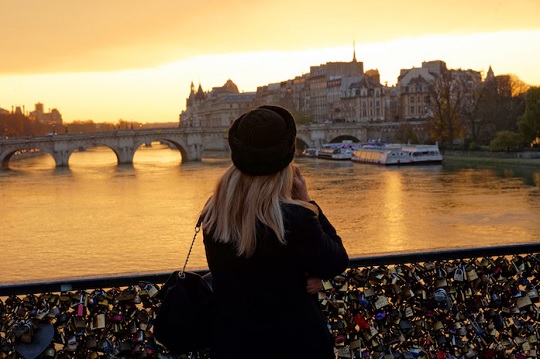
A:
{"x": 196, "y": 231}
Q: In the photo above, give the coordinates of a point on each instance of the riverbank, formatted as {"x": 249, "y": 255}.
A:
{"x": 530, "y": 159}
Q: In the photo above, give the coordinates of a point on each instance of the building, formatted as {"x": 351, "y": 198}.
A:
{"x": 326, "y": 83}
{"x": 336, "y": 92}
{"x": 216, "y": 108}
{"x": 52, "y": 117}
{"x": 414, "y": 89}
{"x": 363, "y": 101}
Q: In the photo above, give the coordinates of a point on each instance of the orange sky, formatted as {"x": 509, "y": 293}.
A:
{"x": 111, "y": 59}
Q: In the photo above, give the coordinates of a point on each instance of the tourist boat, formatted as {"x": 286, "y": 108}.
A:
{"x": 398, "y": 154}
{"x": 339, "y": 153}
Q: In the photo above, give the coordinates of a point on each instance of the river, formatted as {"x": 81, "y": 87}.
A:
{"x": 97, "y": 219}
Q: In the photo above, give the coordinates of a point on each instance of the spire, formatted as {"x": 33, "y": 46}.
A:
{"x": 200, "y": 95}
{"x": 490, "y": 74}
{"x": 354, "y": 52}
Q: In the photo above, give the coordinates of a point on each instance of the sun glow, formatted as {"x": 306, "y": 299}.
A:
{"x": 99, "y": 63}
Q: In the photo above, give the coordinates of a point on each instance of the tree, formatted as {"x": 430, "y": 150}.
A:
{"x": 470, "y": 111}
{"x": 506, "y": 141}
{"x": 17, "y": 124}
{"x": 446, "y": 94}
{"x": 529, "y": 122}
{"x": 406, "y": 134}
{"x": 503, "y": 103}
{"x": 82, "y": 126}
{"x": 122, "y": 124}
{"x": 301, "y": 117}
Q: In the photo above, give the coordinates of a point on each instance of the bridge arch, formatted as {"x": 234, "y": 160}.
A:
{"x": 342, "y": 138}
{"x": 301, "y": 143}
{"x": 6, "y": 156}
{"x": 98, "y": 144}
{"x": 179, "y": 145}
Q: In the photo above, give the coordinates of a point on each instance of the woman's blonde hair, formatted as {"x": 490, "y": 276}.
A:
{"x": 240, "y": 201}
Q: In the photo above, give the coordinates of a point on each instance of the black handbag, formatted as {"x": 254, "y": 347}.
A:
{"x": 184, "y": 321}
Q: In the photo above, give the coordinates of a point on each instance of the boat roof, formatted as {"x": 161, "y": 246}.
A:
{"x": 388, "y": 147}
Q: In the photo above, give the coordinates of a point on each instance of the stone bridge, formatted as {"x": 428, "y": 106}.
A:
{"x": 190, "y": 141}
{"x": 314, "y": 135}
{"x": 124, "y": 144}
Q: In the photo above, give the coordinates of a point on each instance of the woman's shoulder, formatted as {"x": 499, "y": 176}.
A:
{"x": 297, "y": 210}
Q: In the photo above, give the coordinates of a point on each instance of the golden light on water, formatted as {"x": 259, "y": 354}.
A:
{"x": 394, "y": 231}
{"x": 98, "y": 218}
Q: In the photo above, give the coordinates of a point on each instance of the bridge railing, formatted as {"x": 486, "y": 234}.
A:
{"x": 465, "y": 303}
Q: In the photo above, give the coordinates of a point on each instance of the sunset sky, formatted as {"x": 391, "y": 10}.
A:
{"x": 107, "y": 60}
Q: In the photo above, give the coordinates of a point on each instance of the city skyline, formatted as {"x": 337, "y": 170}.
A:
{"x": 136, "y": 63}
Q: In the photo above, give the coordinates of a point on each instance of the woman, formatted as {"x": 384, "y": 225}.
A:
{"x": 266, "y": 243}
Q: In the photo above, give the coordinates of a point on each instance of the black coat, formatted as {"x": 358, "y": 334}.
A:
{"x": 264, "y": 310}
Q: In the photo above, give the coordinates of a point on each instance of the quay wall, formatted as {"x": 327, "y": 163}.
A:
{"x": 494, "y": 155}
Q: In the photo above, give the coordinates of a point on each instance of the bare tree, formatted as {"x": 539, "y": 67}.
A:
{"x": 446, "y": 124}
{"x": 470, "y": 109}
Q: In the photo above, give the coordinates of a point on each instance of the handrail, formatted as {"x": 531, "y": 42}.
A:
{"x": 445, "y": 254}
{"x": 363, "y": 261}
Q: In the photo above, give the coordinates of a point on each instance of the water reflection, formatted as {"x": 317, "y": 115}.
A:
{"x": 98, "y": 218}
{"x": 529, "y": 174}
{"x": 393, "y": 207}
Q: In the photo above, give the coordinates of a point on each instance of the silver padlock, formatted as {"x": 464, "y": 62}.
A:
{"x": 459, "y": 274}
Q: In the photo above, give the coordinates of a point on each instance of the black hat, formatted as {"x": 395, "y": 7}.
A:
{"x": 263, "y": 140}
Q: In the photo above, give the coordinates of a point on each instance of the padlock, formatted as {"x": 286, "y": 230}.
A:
{"x": 369, "y": 292}
{"x": 408, "y": 311}
{"x": 79, "y": 323}
{"x": 459, "y": 274}
{"x": 151, "y": 289}
{"x": 71, "y": 343}
{"x": 50, "y": 352}
{"x": 361, "y": 322}
{"x": 381, "y": 301}
{"x": 327, "y": 285}
{"x": 98, "y": 321}
{"x": 532, "y": 293}
{"x": 81, "y": 309}
{"x": 441, "y": 282}
{"x": 471, "y": 274}
{"x": 523, "y": 301}
{"x": 355, "y": 344}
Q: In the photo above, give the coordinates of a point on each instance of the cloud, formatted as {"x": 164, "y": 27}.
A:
{"x": 104, "y": 35}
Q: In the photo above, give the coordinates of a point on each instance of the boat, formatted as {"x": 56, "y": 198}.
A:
{"x": 337, "y": 151}
{"x": 310, "y": 152}
{"x": 340, "y": 153}
{"x": 397, "y": 154}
